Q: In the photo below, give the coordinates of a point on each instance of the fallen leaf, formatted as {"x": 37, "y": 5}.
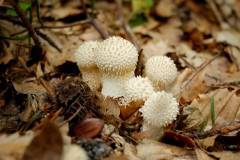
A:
{"x": 13, "y": 146}
{"x": 226, "y": 105}
{"x": 201, "y": 155}
{"x": 29, "y": 86}
{"x": 88, "y": 128}
{"x": 46, "y": 145}
{"x": 152, "y": 150}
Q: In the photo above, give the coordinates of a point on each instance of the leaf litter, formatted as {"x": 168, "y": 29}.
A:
{"x": 47, "y": 110}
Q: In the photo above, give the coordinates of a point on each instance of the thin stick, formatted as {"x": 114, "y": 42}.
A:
{"x": 49, "y": 40}
{"x": 215, "y": 11}
{"x": 99, "y": 28}
{"x": 65, "y": 26}
{"x": 220, "y": 130}
{"x": 26, "y": 23}
{"x": 125, "y": 25}
{"x": 199, "y": 70}
{"x": 95, "y": 23}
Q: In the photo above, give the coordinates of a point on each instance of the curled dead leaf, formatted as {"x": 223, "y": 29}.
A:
{"x": 89, "y": 128}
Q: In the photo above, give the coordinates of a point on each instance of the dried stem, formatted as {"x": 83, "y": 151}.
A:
{"x": 221, "y": 130}
{"x": 26, "y": 23}
{"x": 198, "y": 71}
{"x": 95, "y": 23}
{"x": 125, "y": 25}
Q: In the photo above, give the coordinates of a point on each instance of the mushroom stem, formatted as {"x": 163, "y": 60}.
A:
{"x": 114, "y": 84}
{"x": 92, "y": 78}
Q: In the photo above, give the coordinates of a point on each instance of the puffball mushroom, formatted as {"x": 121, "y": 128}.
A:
{"x": 85, "y": 58}
{"x": 160, "y": 109}
{"x": 161, "y": 70}
{"x": 116, "y": 59}
{"x": 137, "y": 89}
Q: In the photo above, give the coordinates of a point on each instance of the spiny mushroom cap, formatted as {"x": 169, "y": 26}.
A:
{"x": 138, "y": 88}
{"x": 116, "y": 56}
{"x": 161, "y": 70}
{"x": 160, "y": 109}
{"x": 85, "y": 54}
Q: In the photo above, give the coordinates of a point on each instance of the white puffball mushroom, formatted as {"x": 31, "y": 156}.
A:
{"x": 85, "y": 58}
{"x": 160, "y": 109}
{"x": 74, "y": 152}
{"x": 161, "y": 70}
{"x": 116, "y": 59}
{"x": 138, "y": 89}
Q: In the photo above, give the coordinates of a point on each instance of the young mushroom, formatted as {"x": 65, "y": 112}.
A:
{"x": 159, "y": 110}
{"x": 137, "y": 89}
{"x": 161, "y": 70}
{"x": 85, "y": 58}
{"x": 116, "y": 59}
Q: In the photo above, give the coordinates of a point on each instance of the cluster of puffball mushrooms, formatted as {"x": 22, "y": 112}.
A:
{"x": 109, "y": 65}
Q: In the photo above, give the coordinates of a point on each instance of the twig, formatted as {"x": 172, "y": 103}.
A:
{"x": 71, "y": 117}
{"x": 140, "y": 66}
{"x": 10, "y": 19}
{"x": 125, "y": 25}
{"x": 26, "y": 23}
{"x": 198, "y": 71}
{"x": 99, "y": 28}
{"x": 64, "y": 26}
{"x": 221, "y": 130}
{"x": 95, "y": 23}
{"x": 51, "y": 42}
{"x": 54, "y": 27}
{"x": 215, "y": 12}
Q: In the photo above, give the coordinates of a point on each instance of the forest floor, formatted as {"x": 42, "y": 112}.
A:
{"x": 46, "y": 109}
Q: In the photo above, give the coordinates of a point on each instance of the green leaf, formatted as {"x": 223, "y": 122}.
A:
{"x": 138, "y": 19}
{"x": 18, "y": 38}
{"x": 24, "y": 6}
{"x": 141, "y": 5}
{"x": 212, "y": 109}
{"x": 11, "y": 12}
{"x": 140, "y": 10}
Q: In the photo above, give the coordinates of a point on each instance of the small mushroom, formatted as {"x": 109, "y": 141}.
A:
{"x": 137, "y": 89}
{"x": 85, "y": 58}
{"x": 116, "y": 59}
{"x": 161, "y": 70}
{"x": 159, "y": 110}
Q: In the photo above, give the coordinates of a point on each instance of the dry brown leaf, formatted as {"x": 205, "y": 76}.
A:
{"x": 201, "y": 155}
{"x": 88, "y": 128}
{"x": 226, "y": 105}
{"x": 47, "y": 145}
{"x": 152, "y": 150}
{"x": 158, "y": 48}
{"x": 13, "y": 146}
{"x": 201, "y": 79}
{"x": 227, "y": 155}
{"x": 229, "y": 36}
{"x": 165, "y": 8}
{"x": 62, "y": 12}
{"x": 108, "y": 106}
{"x": 192, "y": 57}
{"x": 29, "y": 86}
